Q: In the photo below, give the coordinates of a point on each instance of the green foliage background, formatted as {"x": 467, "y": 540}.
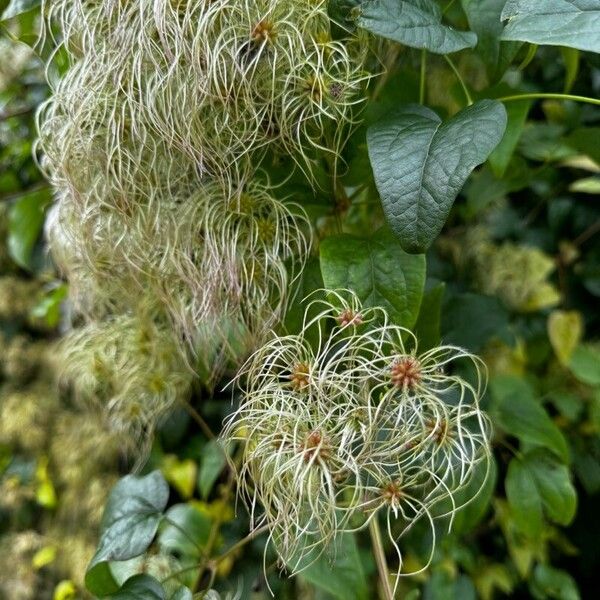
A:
{"x": 514, "y": 276}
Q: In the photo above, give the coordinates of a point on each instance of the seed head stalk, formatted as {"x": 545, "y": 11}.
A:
{"x": 380, "y": 559}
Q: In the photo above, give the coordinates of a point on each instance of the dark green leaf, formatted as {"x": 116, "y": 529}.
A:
{"x": 421, "y": 163}
{"x": 585, "y": 364}
{"x": 26, "y": 220}
{"x": 442, "y": 585}
{"x": 476, "y": 497}
{"x": 537, "y": 483}
{"x": 129, "y": 524}
{"x": 548, "y": 582}
{"x": 517, "y": 116}
{"x": 522, "y": 416}
{"x": 213, "y": 461}
{"x": 524, "y": 499}
{"x": 341, "y": 12}
{"x": 378, "y": 271}
{"x": 309, "y": 281}
{"x": 571, "y": 58}
{"x": 471, "y": 320}
{"x": 140, "y": 587}
{"x": 484, "y": 20}
{"x": 585, "y": 140}
{"x": 182, "y": 593}
{"x": 572, "y": 23}
{"x": 344, "y": 576}
{"x": 545, "y": 142}
{"x": 414, "y": 23}
{"x": 185, "y": 531}
{"x": 553, "y": 481}
{"x": 428, "y": 326}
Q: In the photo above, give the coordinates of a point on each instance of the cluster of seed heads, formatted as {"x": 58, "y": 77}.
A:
{"x": 153, "y": 140}
{"x": 357, "y": 423}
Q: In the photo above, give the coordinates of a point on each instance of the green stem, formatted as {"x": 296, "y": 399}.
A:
{"x": 241, "y": 543}
{"x": 541, "y": 96}
{"x": 423, "y": 76}
{"x": 204, "y": 426}
{"x": 382, "y": 568}
{"x": 461, "y": 80}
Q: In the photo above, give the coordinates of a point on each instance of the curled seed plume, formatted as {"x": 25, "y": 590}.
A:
{"x": 358, "y": 425}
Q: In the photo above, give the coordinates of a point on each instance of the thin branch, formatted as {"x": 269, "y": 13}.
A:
{"x": 380, "y": 559}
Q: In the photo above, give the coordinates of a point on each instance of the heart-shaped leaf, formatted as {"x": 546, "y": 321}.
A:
{"x": 414, "y": 23}
{"x": 421, "y": 163}
{"x": 378, "y": 271}
{"x": 140, "y": 587}
{"x": 131, "y": 518}
{"x": 572, "y": 23}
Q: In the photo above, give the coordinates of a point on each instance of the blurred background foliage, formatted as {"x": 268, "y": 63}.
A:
{"x": 515, "y": 276}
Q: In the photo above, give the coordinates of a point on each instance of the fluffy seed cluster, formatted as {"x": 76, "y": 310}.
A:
{"x": 153, "y": 141}
{"x": 359, "y": 424}
{"x": 518, "y": 274}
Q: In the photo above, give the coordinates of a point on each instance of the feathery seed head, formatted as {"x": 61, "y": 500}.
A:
{"x": 378, "y": 449}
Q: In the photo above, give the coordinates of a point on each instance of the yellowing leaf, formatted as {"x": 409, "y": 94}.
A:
{"x": 181, "y": 474}
{"x": 43, "y": 557}
{"x": 585, "y": 163}
{"x": 218, "y": 510}
{"x": 65, "y": 590}
{"x": 588, "y": 185}
{"x": 45, "y": 493}
{"x": 544, "y": 296}
{"x": 565, "y": 329}
{"x": 492, "y": 578}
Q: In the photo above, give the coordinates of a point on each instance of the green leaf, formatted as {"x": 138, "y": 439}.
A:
{"x": 343, "y": 577}
{"x": 414, "y": 23}
{"x": 476, "y": 497}
{"x": 443, "y": 585}
{"x": 428, "y": 326}
{"x": 523, "y": 498}
{"x": 537, "y": 483}
{"x": 571, "y": 57}
{"x": 341, "y": 11}
{"x": 553, "y": 481}
{"x": 548, "y": 582}
{"x": 213, "y": 462}
{"x": 48, "y": 308}
{"x": 378, "y": 271}
{"x": 572, "y": 23}
{"x": 517, "y": 116}
{"x": 130, "y": 521}
{"x": 585, "y": 140}
{"x": 565, "y": 329}
{"x": 471, "y": 320}
{"x": 182, "y": 593}
{"x": 18, "y": 7}
{"x": 308, "y": 282}
{"x": 26, "y": 219}
{"x": 484, "y": 20}
{"x": 140, "y": 587}
{"x": 522, "y": 416}
{"x": 421, "y": 163}
{"x": 585, "y": 364}
{"x": 185, "y": 531}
